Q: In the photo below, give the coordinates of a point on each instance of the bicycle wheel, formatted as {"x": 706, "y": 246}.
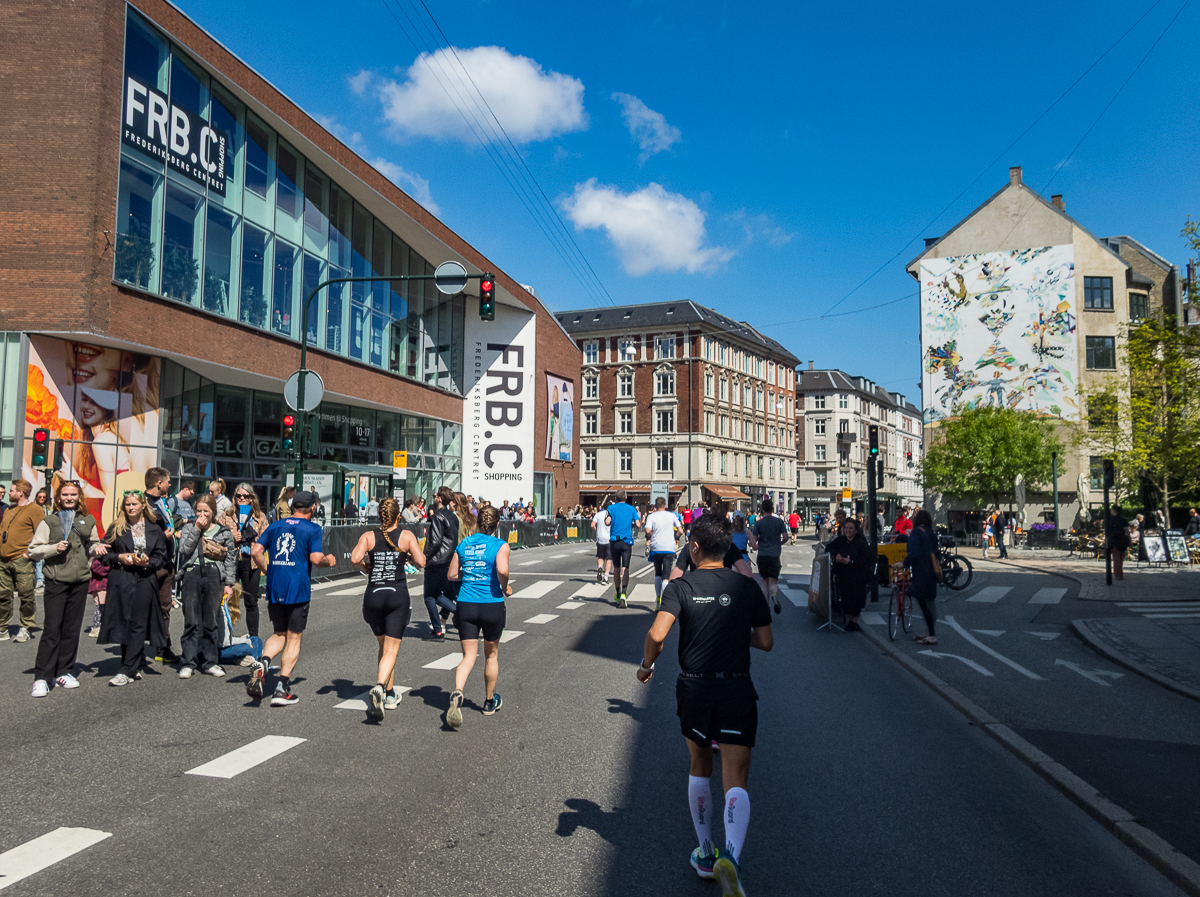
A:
{"x": 907, "y": 615}
{"x": 960, "y": 573}
{"x": 894, "y": 611}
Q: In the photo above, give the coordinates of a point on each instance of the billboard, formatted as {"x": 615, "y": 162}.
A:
{"x": 560, "y": 418}
{"x": 103, "y": 404}
{"x": 999, "y": 329}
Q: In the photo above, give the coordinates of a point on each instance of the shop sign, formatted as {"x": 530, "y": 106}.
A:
{"x": 400, "y": 465}
{"x": 177, "y": 136}
{"x": 847, "y": 495}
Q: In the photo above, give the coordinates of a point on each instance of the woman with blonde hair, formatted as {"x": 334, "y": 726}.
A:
{"x": 137, "y": 549}
{"x": 247, "y": 522}
{"x": 383, "y": 553}
{"x": 466, "y": 520}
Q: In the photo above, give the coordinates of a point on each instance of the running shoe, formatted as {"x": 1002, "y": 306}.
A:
{"x": 727, "y": 873}
{"x": 254, "y": 685}
{"x": 283, "y": 698}
{"x": 622, "y": 601}
{"x": 119, "y": 680}
{"x": 67, "y": 681}
{"x": 492, "y": 704}
{"x": 777, "y": 606}
{"x": 454, "y": 713}
{"x": 5, "y": 635}
{"x": 375, "y": 703}
{"x": 22, "y": 635}
{"x": 434, "y": 637}
{"x": 391, "y": 700}
{"x": 703, "y": 863}
{"x": 166, "y": 655}
{"x": 41, "y": 688}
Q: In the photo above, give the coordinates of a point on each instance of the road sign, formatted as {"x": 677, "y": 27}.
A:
{"x": 450, "y": 278}
{"x": 847, "y": 495}
{"x": 400, "y": 465}
{"x": 314, "y": 390}
{"x": 658, "y": 489}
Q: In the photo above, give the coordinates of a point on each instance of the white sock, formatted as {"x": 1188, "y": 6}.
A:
{"x": 700, "y": 798}
{"x": 658, "y": 586}
{"x": 737, "y": 820}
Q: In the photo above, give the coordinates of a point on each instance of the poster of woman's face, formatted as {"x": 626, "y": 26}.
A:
{"x": 102, "y": 403}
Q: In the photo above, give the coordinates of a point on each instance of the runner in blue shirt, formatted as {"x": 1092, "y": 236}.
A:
{"x": 293, "y": 545}
{"x": 622, "y": 519}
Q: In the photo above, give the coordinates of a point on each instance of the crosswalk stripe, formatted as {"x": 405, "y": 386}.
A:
{"x": 991, "y": 594}
{"x": 42, "y": 852}
{"x": 555, "y": 557}
{"x": 449, "y": 662}
{"x": 570, "y": 605}
{"x": 647, "y": 569}
{"x": 538, "y": 589}
{"x": 642, "y": 593}
{"x": 542, "y": 618}
{"x": 319, "y": 586}
{"x": 360, "y": 702}
{"x": 1047, "y": 596}
{"x": 509, "y": 634}
{"x": 593, "y": 590}
{"x": 246, "y": 757}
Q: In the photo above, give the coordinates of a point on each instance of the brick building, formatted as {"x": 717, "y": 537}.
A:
{"x": 166, "y": 212}
{"x": 677, "y": 392}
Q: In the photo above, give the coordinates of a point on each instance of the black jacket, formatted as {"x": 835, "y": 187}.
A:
{"x": 441, "y": 539}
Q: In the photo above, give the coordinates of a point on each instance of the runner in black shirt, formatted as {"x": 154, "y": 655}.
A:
{"x": 722, "y": 615}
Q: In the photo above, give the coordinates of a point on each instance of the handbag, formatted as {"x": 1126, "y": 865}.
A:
{"x": 214, "y": 551}
{"x": 937, "y": 566}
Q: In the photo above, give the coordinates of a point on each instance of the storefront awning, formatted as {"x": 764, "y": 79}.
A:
{"x": 727, "y": 493}
{"x": 635, "y": 488}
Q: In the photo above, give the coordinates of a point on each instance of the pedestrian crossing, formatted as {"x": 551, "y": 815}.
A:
{"x": 1164, "y": 610}
{"x": 246, "y": 757}
{"x": 359, "y": 702}
{"x": 43, "y": 852}
{"x": 995, "y": 594}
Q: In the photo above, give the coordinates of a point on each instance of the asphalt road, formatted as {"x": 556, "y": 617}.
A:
{"x": 863, "y": 781}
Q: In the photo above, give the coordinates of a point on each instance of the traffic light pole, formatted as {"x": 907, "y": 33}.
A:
{"x": 301, "y": 414}
{"x": 872, "y": 517}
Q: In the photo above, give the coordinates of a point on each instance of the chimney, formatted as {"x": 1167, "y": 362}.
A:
{"x": 810, "y": 365}
{"x": 1014, "y": 175}
{"x": 1057, "y": 201}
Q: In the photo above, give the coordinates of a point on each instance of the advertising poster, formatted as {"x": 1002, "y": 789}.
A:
{"x": 998, "y": 329}
{"x": 560, "y": 422}
{"x": 103, "y": 404}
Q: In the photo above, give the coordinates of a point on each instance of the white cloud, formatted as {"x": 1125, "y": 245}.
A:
{"x": 761, "y": 227}
{"x": 412, "y": 184}
{"x": 360, "y": 82}
{"x": 647, "y": 127}
{"x": 653, "y": 230}
{"x": 531, "y": 103}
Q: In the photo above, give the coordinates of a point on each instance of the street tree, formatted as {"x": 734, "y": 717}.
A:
{"x": 977, "y": 454}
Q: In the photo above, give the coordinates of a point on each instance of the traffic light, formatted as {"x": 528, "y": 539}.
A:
{"x": 289, "y": 433}
{"x": 487, "y": 298}
{"x": 910, "y": 457}
{"x": 1109, "y": 475}
{"x": 59, "y": 452}
{"x": 41, "y": 448}
{"x": 873, "y": 435}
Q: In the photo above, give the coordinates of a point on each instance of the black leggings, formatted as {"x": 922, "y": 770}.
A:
{"x": 929, "y": 612}
{"x": 248, "y": 575}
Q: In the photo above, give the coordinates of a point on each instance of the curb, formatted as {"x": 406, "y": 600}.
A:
{"x": 1089, "y": 638}
{"x": 1181, "y": 870}
{"x": 1085, "y": 587}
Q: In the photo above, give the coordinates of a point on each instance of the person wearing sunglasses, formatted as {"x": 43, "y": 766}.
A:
{"x": 246, "y": 520}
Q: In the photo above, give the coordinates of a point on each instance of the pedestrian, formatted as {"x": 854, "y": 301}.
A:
{"x": 208, "y": 565}
{"x": 246, "y": 522}
{"x": 880, "y": 526}
{"x": 179, "y": 505}
{"x": 603, "y": 556}
{"x": 294, "y": 547}
{"x": 137, "y": 549}
{"x": 64, "y": 542}
{"x": 1193, "y": 524}
{"x": 217, "y": 489}
{"x": 16, "y": 569}
{"x": 480, "y": 564}
{"x": 687, "y": 518}
{"x": 715, "y": 696}
{"x": 903, "y": 526}
{"x": 922, "y": 547}
{"x": 97, "y": 588}
{"x": 384, "y": 554}
{"x": 158, "y": 485}
{"x": 440, "y": 541}
{"x": 853, "y": 562}
{"x": 662, "y": 540}
{"x": 986, "y": 541}
{"x": 767, "y": 537}
{"x": 794, "y": 525}
{"x": 1116, "y": 532}
{"x": 372, "y": 510}
{"x": 1000, "y": 531}
{"x": 410, "y": 513}
{"x": 741, "y": 538}
{"x": 622, "y": 519}
{"x": 283, "y": 505}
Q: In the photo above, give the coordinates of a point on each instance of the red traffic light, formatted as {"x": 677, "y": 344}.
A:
{"x": 40, "y": 435}
{"x": 289, "y": 420}
{"x": 485, "y": 286}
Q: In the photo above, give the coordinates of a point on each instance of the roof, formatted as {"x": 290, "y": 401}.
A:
{"x": 840, "y": 381}
{"x": 659, "y": 315}
{"x": 1142, "y": 248}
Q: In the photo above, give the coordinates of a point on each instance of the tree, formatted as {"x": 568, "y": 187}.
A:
{"x": 978, "y": 454}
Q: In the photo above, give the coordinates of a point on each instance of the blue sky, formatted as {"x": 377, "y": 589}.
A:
{"x": 760, "y": 159}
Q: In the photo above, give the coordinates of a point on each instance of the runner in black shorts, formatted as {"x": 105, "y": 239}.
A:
{"x": 383, "y": 554}
{"x": 722, "y": 615}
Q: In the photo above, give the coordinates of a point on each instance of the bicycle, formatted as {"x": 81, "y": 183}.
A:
{"x": 956, "y": 569}
{"x": 900, "y": 605}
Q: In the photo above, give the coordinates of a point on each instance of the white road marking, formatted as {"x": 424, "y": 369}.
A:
{"x": 986, "y": 650}
{"x": 1093, "y": 675}
{"x": 449, "y": 662}
{"x": 991, "y": 594}
{"x": 593, "y": 590}
{"x": 538, "y": 589}
{"x": 642, "y": 593}
{"x": 509, "y": 634}
{"x": 995, "y": 633}
{"x": 644, "y": 571}
{"x": 800, "y": 599}
{"x": 246, "y": 757}
{"x": 531, "y": 563}
{"x": 1046, "y": 636}
{"x": 972, "y": 664}
{"x": 871, "y": 618}
{"x": 570, "y": 605}
{"x": 53, "y": 847}
{"x": 1159, "y": 604}
{"x": 353, "y": 590}
{"x": 360, "y": 703}
{"x": 542, "y": 618}
{"x": 555, "y": 557}
{"x": 1047, "y": 596}
{"x": 319, "y": 586}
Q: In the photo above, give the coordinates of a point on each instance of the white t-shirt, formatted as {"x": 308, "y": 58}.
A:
{"x": 661, "y": 527}
{"x": 601, "y": 528}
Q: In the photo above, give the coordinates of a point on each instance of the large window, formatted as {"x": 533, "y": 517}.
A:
{"x": 664, "y": 347}
{"x": 589, "y": 424}
{"x": 591, "y": 352}
{"x": 626, "y": 423}
{"x": 1098, "y": 293}
{"x": 708, "y": 460}
{"x": 625, "y": 461}
{"x": 819, "y": 427}
{"x": 591, "y": 387}
{"x": 664, "y": 383}
{"x": 822, "y": 479}
{"x": 664, "y": 461}
{"x": 1139, "y": 307}
{"x": 624, "y": 386}
{"x": 664, "y": 420}
{"x": 589, "y": 461}
{"x": 818, "y": 402}
{"x": 819, "y": 452}
{"x": 1101, "y": 353}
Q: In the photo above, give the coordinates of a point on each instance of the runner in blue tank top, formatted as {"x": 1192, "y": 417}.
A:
{"x": 481, "y": 564}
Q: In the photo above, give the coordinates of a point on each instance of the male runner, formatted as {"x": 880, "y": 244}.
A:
{"x": 622, "y": 519}
{"x": 603, "y": 558}
{"x": 794, "y": 525}
{"x": 294, "y": 546}
{"x": 662, "y": 531}
{"x": 722, "y": 615}
{"x": 768, "y": 535}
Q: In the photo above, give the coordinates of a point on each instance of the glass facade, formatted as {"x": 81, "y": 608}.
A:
{"x": 10, "y": 392}
{"x": 281, "y": 227}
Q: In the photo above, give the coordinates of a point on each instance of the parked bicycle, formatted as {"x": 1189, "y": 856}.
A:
{"x": 900, "y": 606}
{"x": 956, "y": 569}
